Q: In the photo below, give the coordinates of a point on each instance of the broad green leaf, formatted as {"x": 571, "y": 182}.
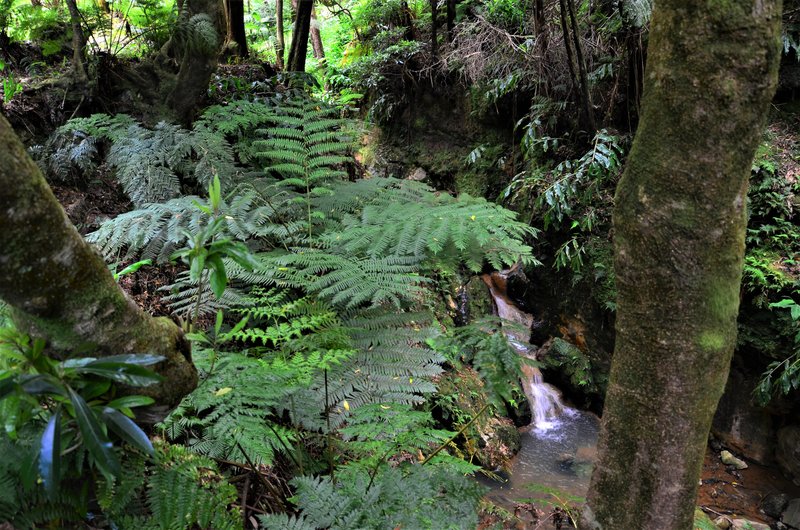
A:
{"x": 7, "y": 386}
{"x": 41, "y": 384}
{"x": 128, "y": 430}
{"x": 142, "y": 359}
{"x": 94, "y": 439}
{"x": 128, "y": 374}
{"x": 219, "y": 280}
{"x": 130, "y": 269}
{"x": 50, "y": 453}
{"x": 131, "y": 402}
{"x": 94, "y": 389}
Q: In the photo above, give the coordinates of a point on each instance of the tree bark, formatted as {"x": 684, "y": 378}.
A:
{"x": 235, "y": 25}
{"x": 316, "y": 38}
{"x": 302, "y": 26}
{"x": 61, "y": 289}
{"x": 586, "y": 95}
{"x": 280, "y": 46}
{"x": 451, "y": 19}
{"x": 78, "y": 43}
{"x": 434, "y": 27}
{"x": 679, "y": 227}
{"x": 198, "y": 57}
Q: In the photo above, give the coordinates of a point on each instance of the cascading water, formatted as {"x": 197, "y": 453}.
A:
{"x": 544, "y": 399}
{"x": 558, "y": 450}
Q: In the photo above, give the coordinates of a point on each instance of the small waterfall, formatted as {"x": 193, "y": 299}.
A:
{"x": 545, "y": 399}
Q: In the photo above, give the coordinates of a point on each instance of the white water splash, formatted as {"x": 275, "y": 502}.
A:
{"x": 545, "y": 399}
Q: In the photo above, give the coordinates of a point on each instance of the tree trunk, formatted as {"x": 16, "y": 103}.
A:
{"x": 235, "y": 26}
{"x": 198, "y": 57}
{"x": 60, "y": 288}
{"x": 679, "y": 228}
{"x": 280, "y": 46}
{"x": 451, "y": 19}
{"x": 586, "y": 96}
{"x": 302, "y": 26}
{"x": 434, "y": 27}
{"x": 316, "y": 38}
{"x": 78, "y": 43}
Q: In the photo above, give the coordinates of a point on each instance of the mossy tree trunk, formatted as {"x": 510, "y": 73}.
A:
{"x": 679, "y": 228}
{"x": 196, "y": 47}
{"x": 302, "y": 27}
{"x": 61, "y": 289}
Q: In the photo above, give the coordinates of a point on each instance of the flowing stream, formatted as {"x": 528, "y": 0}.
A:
{"x": 559, "y": 447}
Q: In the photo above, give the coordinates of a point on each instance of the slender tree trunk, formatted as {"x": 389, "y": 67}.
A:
{"x": 451, "y": 19}
{"x": 280, "y": 46}
{"x": 562, "y": 4}
{"x": 302, "y": 27}
{"x": 60, "y": 288}
{"x": 316, "y": 38}
{"x": 235, "y": 26}
{"x": 434, "y": 27}
{"x": 586, "y": 96}
{"x": 679, "y": 228}
{"x": 78, "y": 43}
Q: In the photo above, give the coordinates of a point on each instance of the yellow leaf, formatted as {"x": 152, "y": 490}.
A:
{"x": 346, "y": 405}
{"x": 410, "y": 380}
{"x": 472, "y": 217}
{"x": 385, "y": 407}
{"x": 222, "y": 391}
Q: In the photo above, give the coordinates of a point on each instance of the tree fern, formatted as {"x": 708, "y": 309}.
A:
{"x": 157, "y": 230}
{"x": 305, "y": 147}
{"x": 151, "y": 164}
{"x": 409, "y": 496}
{"x": 181, "y": 491}
{"x": 461, "y": 229}
{"x": 485, "y": 345}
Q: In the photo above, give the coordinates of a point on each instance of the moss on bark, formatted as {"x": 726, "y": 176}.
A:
{"x": 679, "y": 230}
{"x": 62, "y": 290}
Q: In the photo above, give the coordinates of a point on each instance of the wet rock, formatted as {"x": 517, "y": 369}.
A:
{"x": 729, "y": 460}
{"x": 787, "y": 454}
{"x": 774, "y": 504}
{"x": 791, "y": 515}
{"x": 418, "y": 174}
{"x": 742, "y": 426}
{"x": 478, "y": 299}
{"x": 580, "y": 463}
{"x": 723, "y": 522}
{"x": 745, "y": 524}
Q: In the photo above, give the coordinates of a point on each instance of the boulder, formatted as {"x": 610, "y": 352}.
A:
{"x": 745, "y": 524}
{"x": 791, "y": 515}
{"x": 418, "y": 175}
{"x": 774, "y": 504}
{"x": 787, "y": 454}
{"x": 742, "y": 426}
{"x": 723, "y": 522}
{"x": 729, "y": 460}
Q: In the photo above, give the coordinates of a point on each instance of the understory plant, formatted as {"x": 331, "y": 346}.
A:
{"x": 318, "y": 359}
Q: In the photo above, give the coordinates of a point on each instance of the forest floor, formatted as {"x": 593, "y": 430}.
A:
{"x": 723, "y": 492}
{"x": 739, "y": 494}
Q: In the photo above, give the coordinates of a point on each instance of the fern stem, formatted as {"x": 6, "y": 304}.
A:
{"x": 196, "y": 312}
{"x": 286, "y": 448}
{"x": 328, "y": 437}
{"x": 276, "y": 494}
{"x": 456, "y": 435}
